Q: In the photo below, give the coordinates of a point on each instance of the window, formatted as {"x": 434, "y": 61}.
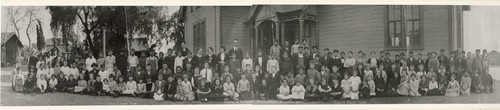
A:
{"x": 199, "y": 35}
{"x": 404, "y": 27}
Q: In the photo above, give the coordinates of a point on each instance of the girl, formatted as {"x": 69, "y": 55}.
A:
{"x": 380, "y": 84}
{"x": 229, "y": 91}
{"x": 421, "y": 74}
{"x": 90, "y": 85}
{"x": 311, "y": 91}
{"x": 30, "y": 84}
{"x": 284, "y": 91}
{"x": 403, "y": 87}
{"x": 301, "y": 77}
{"x": 203, "y": 91}
{"x": 442, "y": 81}
{"x": 324, "y": 90}
{"x": 141, "y": 88}
{"x": 71, "y": 83}
{"x": 149, "y": 88}
{"x": 18, "y": 79}
{"x": 453, "y": 88}
{"x": 365, "y": 90}
{"x": 392, "y": 85}
{"x": 264, "y": 90}
{"x": 130, "y": 86}
{"x": 187, "y": 90}
{"x": 62, "y": 82}
{"x": 113, "y": 87}
{"x": 423, "y": 87}
{"x": 82, "y": 85}
{"x": 298, "y": 91}
{"x": 355, "y": 81}
{"x": 368, "y": 72}
{"x": 433, "y": 87}
{"x": 466, "y": 84}
{"x": 52, "y": 84}
{"x": 371, "y": 85}
{"x": 105, "y": 86}
{"x": 217, "y": 92}
{"x": 414, "y": 82}
{"x": 346, "y": 87}
{"x": 42, "y": 84}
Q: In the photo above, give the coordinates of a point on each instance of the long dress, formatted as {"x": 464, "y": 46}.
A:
{"x": 298, "y": 92}
{"x": 453, "y": 89}
{"x": 403, "y": 88}
{"x": 284, "y": 93}
{"x": 346, "y": 86}
{"x": 414, "y": 83}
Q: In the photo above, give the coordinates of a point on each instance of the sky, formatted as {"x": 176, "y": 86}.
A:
{"x": 482, "y": 28}
{"x": 45, "y": 18}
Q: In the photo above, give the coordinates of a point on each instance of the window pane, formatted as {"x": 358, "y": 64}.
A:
{"x": 391, "y": 33}
{"x": 408, "y": 12}
{"x": 398, "y": 34}
{"x": 416, "y": 33}
{"x": 397, "y": 13}
{"x": 409, "y": 32}
{"x": 416, "y": 12}
{"x": 390, "y": 12}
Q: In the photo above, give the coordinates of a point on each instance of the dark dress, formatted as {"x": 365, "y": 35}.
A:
{"x": 380, "y": 86}
{"x": 216, "y": 93}
{"x": 392, "y": 87}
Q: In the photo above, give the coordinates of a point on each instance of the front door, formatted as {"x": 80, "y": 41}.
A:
{"x": 265, "y": 36}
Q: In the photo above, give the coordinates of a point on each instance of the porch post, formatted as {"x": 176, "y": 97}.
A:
{"x": 283, "y": 32}
{"x": 277, "y": 29}
{"x": 301, "y": 29}
{"x": 256, "y": 42}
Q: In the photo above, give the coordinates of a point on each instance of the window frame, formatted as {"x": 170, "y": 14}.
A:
{"x": 199, "y": 35}
{"x": 403, "y": 28}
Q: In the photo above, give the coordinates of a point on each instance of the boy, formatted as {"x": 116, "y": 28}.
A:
{"x": 98, "y": 87}
{"x": 206, "y": 73}
{"x": 159, "y": 88}
{"x": 243, "y": 88}
{"x": 203, "y": 91}
{"x": 229, "y": 91}
{"x": 170, "y": 88}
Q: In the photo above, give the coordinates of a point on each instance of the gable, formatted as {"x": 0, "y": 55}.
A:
{"x": 266, "y": 11}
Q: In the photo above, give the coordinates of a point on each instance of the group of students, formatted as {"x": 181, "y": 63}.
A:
{"x": 288, "y": 73}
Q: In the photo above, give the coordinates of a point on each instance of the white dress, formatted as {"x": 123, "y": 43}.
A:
{"x": 298, "y": 92}
{"x": 284, "y": 93}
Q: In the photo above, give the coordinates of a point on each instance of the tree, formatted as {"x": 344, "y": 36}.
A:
{"x": 39, "y": 36}
{"x": 115, "y": 21}
{"x": 65, "y": 17}
{"x": 177, "y": 28}
{"x": 22, "y": 14}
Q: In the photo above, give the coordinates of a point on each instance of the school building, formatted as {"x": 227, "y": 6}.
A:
{"x": 392, "y": 28}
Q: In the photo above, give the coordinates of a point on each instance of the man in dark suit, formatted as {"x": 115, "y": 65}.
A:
{"x": 260, "y": 60}
{"x": 236, "y": 50}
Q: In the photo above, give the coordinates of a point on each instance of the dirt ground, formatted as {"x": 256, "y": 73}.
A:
{"x": 10, "y": 98}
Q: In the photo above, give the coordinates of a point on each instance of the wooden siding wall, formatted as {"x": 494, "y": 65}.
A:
{"x": 354, "y": 28}
{"x": 351, "y": 28}
{"x": 233, "y": 26}
{"x": 207, "y": 13}
{"x": 436, "y": 28}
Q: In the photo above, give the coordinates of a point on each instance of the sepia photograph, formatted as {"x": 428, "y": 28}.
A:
{"x": 258, "y": 54}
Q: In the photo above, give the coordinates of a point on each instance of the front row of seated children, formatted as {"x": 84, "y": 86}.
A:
{"x": 406, "y": 83}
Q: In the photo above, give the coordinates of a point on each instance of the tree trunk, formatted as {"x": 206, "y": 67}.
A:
{"x": 90, "y": 44}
